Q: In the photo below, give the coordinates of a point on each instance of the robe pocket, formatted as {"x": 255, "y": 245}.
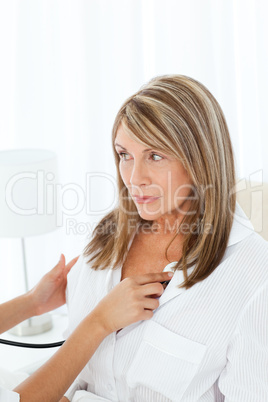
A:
{"x": 165, "y": 362}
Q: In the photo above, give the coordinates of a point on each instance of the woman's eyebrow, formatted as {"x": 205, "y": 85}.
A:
{"x": 118, "y": 145}
{"x": 145, "y": 150}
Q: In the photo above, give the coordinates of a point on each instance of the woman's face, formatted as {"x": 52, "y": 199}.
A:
{"x": 157, "y": 182}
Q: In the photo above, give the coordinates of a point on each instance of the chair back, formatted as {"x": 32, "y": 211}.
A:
{"x": 253, "y": 199}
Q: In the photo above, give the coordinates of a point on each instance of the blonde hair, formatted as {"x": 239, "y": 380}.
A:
{"x": 178, "y": 115}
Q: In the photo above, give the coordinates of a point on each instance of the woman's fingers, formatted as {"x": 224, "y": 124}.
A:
{"x": 152, "y": 289}
{"x": 153, "y": 277}
{"x": 146, "y": 315}
{"x": 132, "y": 300}
{"x": 150, "y": 303}
{"x": 149, "y": 285}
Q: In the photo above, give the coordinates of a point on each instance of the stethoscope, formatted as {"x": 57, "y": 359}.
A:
{"x": 31, "y": 345}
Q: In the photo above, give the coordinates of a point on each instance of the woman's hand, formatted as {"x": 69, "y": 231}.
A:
{"x": 49, "y": 293}
{"x": 132, "y": 300}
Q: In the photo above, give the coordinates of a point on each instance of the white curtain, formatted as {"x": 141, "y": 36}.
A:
{"x": 67, "y": 66}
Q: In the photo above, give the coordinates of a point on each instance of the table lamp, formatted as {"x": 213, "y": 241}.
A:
{"x": 27, "y": 209}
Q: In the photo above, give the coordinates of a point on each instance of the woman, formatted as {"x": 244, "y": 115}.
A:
{"x": 208, "y": 339}
{"x": 51, "y": 381}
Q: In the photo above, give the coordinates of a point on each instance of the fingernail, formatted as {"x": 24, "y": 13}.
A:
{"x": 170, "y": 274}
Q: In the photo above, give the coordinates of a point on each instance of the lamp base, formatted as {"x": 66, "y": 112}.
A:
{"x": 33, "y": 326}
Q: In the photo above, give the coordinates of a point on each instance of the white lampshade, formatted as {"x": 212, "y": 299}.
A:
{"x": 27, "y": 192}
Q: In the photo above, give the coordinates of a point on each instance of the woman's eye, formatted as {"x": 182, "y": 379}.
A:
{"x": 156, "y": 157}
{"x": 123, "y": 155}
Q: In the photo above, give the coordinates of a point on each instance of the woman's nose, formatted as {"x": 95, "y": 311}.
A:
{"x": 139, "y": 175}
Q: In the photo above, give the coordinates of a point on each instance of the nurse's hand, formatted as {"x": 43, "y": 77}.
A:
{"x": 132, "y": 300}
{"x": 49, "y": 293}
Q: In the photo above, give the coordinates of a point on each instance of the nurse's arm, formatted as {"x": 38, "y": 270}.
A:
{"x": 127, "y": 303}
{"x": 15, "y": 311}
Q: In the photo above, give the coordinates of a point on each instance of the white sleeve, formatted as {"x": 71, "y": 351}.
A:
{"x": 245, "y": 377}
{"x": 8, "y": 396}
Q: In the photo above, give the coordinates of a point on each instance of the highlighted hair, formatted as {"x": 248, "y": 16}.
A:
{"x": 178, "y": 115}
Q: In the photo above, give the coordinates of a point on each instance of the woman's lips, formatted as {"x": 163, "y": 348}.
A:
{"x": 144, "y": 200}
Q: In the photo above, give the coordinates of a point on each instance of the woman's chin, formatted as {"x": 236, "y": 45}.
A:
{"x": 148, "y": 216}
